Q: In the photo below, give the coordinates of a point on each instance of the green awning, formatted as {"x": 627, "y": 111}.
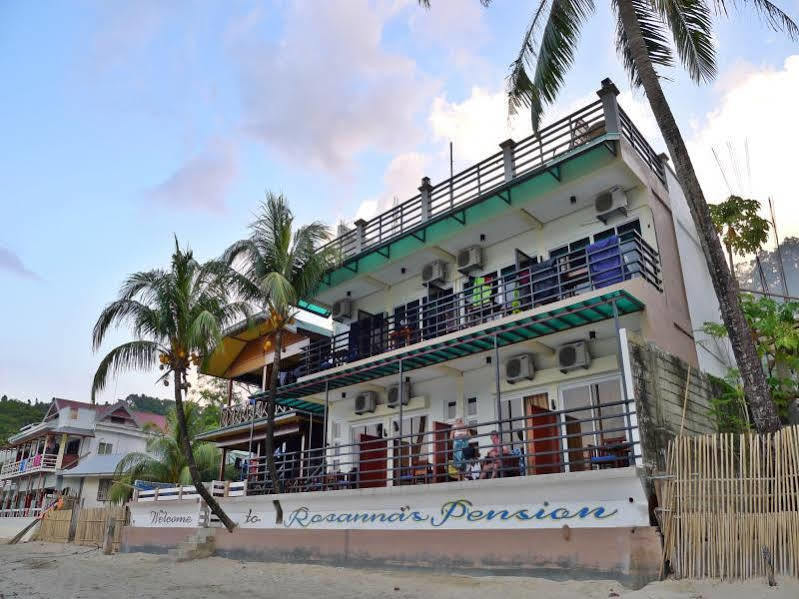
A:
{"x": 578, "y": 313}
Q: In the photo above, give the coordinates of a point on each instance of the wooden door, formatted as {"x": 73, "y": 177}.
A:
{"x": 543, "y": 430}
{"x": 372, "y": 463}
{"x": 442, "y": 450}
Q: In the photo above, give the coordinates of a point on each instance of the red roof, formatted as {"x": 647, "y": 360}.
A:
{"x": 158, "y": 420}
{"x": 69, "y": 403}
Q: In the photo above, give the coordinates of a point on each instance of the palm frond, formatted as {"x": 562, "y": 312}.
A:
{"x": 655, "y": 38}
{"x": 691, "y": 25}
{"x": 519, "y": 84}
{"x": 556, "y": 53}
{"x": 117, "y": 313}
{"x": 134, "y": 355}
{"x": 776, "y": 18}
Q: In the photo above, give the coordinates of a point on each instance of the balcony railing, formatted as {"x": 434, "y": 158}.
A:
{"x": 484, "y": 299}
{"x": 519, "y": 159}
{"x": 243, "y": 413}
{"x": 38, "y": 463}
{"x": 543, "y": 441}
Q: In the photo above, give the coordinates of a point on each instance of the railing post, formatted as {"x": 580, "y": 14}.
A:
{"x": 426, "y": 189}
{"x": 607, "y": 93}
{"x": 360, "y": 234}
{"x": 508, "y": 159}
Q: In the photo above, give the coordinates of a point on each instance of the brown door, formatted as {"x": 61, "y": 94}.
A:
{"x": 543, "y": 444}
{"x": 372, "y": 464}
{"x": 442, "y": 450}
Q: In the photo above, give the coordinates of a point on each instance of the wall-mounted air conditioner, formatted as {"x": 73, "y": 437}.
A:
{"x": 393, "y": 394}
{"x": 342, "y": 309}
{"x": 470, "y": 258}
{"x": 365, "y": 402}
{"x": 610, "y": 203}
{"x": 434, "y": 272}
{"x": 572, "y": 356}
{"x": 520, "y": 368}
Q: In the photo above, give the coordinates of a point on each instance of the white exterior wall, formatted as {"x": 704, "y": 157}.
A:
{"x": 714, "y": 357}
{"x": 89, "y": 492}
{"x": 85, "y": 418}
{"x": 535, "y": 242}
{"x": 123, "y": 440}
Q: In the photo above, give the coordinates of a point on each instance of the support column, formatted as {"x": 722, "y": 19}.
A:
{"x": 324, "y": 427}
{"x": 496, "y": 380}
{"x": 360, "y": 234}
{"x": 630, "y": 413}
{"x": 607, "y": 93}
{"x": 426, "y": 189}
{"x": 61, "y": 448}
{"x": 508, "y": 159}
{"x": 222, "y": 464}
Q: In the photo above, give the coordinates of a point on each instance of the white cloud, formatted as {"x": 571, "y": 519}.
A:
{"x": 401, "y": 181}
{"x": 201, "y": 183}
{"x": 758, "y": 106}
{"x": 329, "y": 90}
{"x": 11, "y": 262}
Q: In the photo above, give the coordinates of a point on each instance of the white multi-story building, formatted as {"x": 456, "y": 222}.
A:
{"x": 74, "y": 450}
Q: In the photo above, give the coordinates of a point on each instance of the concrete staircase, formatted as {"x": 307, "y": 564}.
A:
{"x": 199, "y": 545}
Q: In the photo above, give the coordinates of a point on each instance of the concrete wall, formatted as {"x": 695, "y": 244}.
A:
{"x": 659, "y": 381}
{"x": 714, "y": 356}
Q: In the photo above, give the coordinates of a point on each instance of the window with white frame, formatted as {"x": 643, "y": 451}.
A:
{"x": 512, "y": 422}
{"x": 450, "y": 410}
{"x": 104, "y": 489}
{"x": 104, "y": 448}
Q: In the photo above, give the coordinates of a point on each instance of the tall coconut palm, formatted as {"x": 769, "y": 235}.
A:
{"x": 165, "y": 461}
{"x": 280, "y": 265}
{"x": 176, "y": 317}
{"x": 643, "y": 28}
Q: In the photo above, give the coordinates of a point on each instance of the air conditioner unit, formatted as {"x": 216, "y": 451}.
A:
{"x": 520, "y": 368}
{"x": 610, "y": 203}
{"x": 470, "y": 258}
{"x": 365, "y": 402}
{"x": 434, "y": 272}
{"x": 342, "y": 309}
{"x": 393, "y": 395}
{"x": 572, "y": 356}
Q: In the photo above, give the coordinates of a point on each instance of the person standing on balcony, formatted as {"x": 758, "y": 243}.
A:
{"x": 492, "y": 466}
{"x": 460, "y": 441}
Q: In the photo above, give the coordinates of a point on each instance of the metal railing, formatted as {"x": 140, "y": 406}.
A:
{"x": 544, "y": 442}
{"x": 508, "y": 292}
{"x": 244, "y": 413}
{"x": 21, "y": 512}
{"x": 217, "y": 488}
{"x": 538, "y": 151}
{"x": 37, "y": 463}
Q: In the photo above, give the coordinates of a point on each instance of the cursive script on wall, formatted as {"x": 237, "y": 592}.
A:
{"x": 164, "y": 517}
{"x": 455, "y": 510}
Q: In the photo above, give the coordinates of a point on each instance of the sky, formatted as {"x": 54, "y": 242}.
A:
{"x": 123, "y": 125}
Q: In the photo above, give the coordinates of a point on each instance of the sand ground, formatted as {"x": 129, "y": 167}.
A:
{"x": 50, "y": 571}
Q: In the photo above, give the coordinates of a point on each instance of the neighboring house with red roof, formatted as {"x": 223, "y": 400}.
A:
{"x": 74, "y": 449}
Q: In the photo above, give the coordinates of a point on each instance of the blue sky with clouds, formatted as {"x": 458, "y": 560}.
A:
{"x": 125, "y": 123}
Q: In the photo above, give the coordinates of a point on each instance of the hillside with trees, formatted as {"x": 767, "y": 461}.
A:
{"x": 14, "y": 414}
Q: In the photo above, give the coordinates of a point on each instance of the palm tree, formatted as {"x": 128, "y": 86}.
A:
{"x": 280, "y": 265}
{"x": 176, "y": 316}
{"x": 642, "y": 41}
{"x": 165, "y": 461}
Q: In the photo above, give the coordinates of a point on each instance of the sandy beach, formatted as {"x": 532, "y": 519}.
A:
{"x": 50, "y": 571}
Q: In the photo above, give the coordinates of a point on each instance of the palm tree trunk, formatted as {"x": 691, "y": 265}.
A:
{"x": 269, "y": 440}
{"x": 195, "y": 474}
{"x": 756, "y": 388}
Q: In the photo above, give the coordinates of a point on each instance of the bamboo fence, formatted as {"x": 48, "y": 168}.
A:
{"x": 92, "y": 524}
{"x": 730, "y": 505}
{"x": 54, "y": 527}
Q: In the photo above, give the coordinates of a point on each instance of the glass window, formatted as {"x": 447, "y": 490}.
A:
{"x": 73, "y": 413}
{"x": 471, "y": 406}
{"x": 451, "y": 410}
{"x": 103, "y": 489}
{"x": 104, "y": 448}
{"x": 512, "y": 422}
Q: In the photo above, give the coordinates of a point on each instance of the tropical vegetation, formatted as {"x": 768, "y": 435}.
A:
{"x": 165, "y": 461}
{"x": 643, "y": 29}
{"x": 176, "y": 317}
{"x": 14, "y": 414}
{"x": 280, "y": 264}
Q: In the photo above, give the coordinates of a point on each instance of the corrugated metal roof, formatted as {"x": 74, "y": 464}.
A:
{"x": 95, "y": 465}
